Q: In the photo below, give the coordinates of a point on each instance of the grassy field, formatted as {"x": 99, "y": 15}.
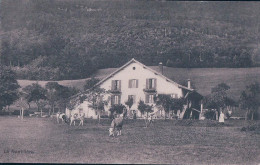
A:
{"x": 175, "y": 142}
{"x": 203, "y": 78}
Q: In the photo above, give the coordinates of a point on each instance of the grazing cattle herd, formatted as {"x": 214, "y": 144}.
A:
{"x": 114, "y": 130}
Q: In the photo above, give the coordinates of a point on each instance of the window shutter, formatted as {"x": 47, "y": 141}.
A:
{"x": 155, "y": 83}
{"x": 113, "y": 85}
{"x": 119, "y": 85}
{"x": 134, "y": 98}
{"x": 146, "y": 98}
{"x": 129, "y": 84}
{"x": 136, "y": 83}
{"x": 112, "y": 100}
{"x": 147, "y": 83}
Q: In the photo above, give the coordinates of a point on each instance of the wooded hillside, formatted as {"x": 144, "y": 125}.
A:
{"x": 53, "y": 40}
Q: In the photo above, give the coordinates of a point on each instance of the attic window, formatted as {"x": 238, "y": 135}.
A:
{"x": 133, "y": 68}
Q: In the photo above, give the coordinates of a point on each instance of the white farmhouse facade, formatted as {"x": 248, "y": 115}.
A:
{"x": 138, "y": 81}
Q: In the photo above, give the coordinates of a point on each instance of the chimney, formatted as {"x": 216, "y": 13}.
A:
{"x": 189, "y": 83}
{"x": 161, "y": 67}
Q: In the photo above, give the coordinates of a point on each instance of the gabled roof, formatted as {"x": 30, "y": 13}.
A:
{"x": 144, "y": 66}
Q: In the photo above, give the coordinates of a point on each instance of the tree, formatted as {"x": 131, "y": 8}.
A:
{"x": 144, "y": 108}
{"x": 90, "y": 83}
{"x": 249, "y": 99}
{"x": 51, "y": 88}
{"x": 42, "y": 104}
{"x": 177, "y": 104}
{"x": 129, "y": 103}
{"x": 165, "y": 101}
{"x": 8, "y": 87}
{"x": 22, "y": 103}
{"x": 35, "y": 93}
{"x": 218, "y": 98}
{"x": 96, "y": 97}
{"x": 117, "y": 108}
{"x": 63, "y": 96}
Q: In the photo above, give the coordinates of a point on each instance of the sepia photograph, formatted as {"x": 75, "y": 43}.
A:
{"x": 130, "y": 82}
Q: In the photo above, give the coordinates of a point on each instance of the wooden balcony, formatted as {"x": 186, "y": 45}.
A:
{"x": 115, "y": 91}
{"x": 149, "y": 90}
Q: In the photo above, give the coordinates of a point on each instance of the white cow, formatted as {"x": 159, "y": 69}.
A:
{"x": 77, "y": 116}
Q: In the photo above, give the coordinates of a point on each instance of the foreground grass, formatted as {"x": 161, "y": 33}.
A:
{"x": 174, "y": 142}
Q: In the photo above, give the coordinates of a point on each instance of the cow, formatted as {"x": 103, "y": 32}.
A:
{"x": 77, "y": 116}
{"x": 116, "y": 126}
{"x": 61, "y": 116}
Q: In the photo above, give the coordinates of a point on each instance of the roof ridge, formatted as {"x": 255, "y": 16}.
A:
{"x": 126, "y": 64}
{"x": 134, "y": 60}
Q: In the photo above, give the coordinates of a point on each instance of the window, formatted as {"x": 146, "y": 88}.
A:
{"x": 115, "y": 99}
{"x": 116, "y": 85}
{"x": 149, "y": 98}
{"x": 133, "y": 83}
{"x": 151, "y": 83}
{"x": 131, "y": 96}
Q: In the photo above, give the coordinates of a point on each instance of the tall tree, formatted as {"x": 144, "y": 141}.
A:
{"x": 8, "y": 87}
{"x": 51, "y": 95}
{"x": 249, "y": 99}
{"x": 35, "y": 93}
{"x": 96, "y": 97}
{"x": 218, "y": 99}
{"x": 165, "y": 101}
{"x": 177, "y": 104}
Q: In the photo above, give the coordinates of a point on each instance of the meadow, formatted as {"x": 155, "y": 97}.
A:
{"x": 42, "y": 140}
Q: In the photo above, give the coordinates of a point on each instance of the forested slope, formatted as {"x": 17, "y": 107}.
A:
{"x": 52, "y": 40}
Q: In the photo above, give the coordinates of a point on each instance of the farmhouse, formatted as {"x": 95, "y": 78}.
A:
{"x": 139, "y": 82}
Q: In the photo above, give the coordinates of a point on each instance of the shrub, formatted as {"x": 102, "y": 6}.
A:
{"x": 17, "y": 112}
{"x": 252, "y": 127}
{"x": 210, "y": 114}
{"x": 117, "y": 108}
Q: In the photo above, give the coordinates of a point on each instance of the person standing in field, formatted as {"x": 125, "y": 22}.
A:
{"x": 221, "y": 117}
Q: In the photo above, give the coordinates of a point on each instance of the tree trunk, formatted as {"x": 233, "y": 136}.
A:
{"x": 53, "y": 109}
{"x": 29, "y": 105}
{"x": 41, "y": 112}
{"x": 252, "y": 117}
{"x": 38, "y": 107}
{"x": 22, "y": 113}
{"x": 98, "y": 116}
{"x": 146, "y": 119}
{"x": 246, "y": 114}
